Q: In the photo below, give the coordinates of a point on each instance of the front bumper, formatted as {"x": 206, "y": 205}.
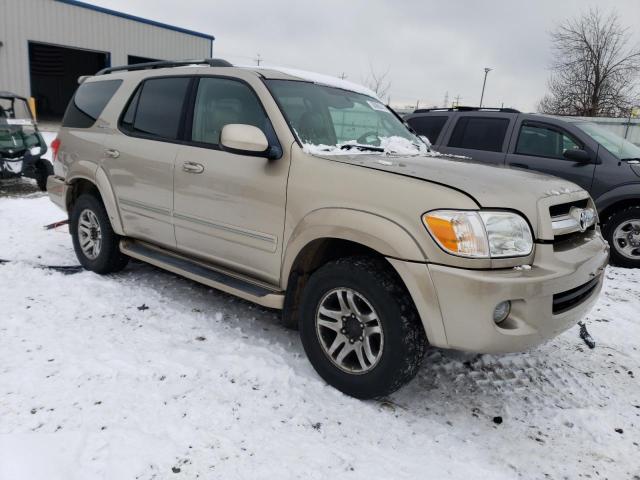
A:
{"x": 57, "y": 190}
{"x": 465, "y": 299}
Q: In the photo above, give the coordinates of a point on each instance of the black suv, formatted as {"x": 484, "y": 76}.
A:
{"x": 601, "y": 162}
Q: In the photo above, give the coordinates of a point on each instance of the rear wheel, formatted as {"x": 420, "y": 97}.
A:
{"x": 359, "y": 327}
{"x": 622, "y": 231}
{"x": 96, "y": 245}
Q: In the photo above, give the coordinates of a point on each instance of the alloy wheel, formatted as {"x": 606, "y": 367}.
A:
{"x": 89, "y": 234}
{"x": 349, "y": 331}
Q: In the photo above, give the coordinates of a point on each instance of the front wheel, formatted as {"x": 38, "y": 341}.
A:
{"x": 96, "y": 245}
{"x": 622, "y": 231}
{"x": 359, "y": 327}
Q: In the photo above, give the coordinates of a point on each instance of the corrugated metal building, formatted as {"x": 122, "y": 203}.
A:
{"x": 45, "y": 45}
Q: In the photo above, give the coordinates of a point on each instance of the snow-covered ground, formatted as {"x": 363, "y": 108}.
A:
{"x": 144, "y": 375}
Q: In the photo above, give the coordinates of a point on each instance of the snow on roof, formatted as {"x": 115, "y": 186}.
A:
{"x": 319, "y": 78}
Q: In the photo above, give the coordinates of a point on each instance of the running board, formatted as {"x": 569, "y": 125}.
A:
{"x": 204, "y": 273}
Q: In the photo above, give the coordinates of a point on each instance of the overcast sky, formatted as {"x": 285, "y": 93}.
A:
{"x": 429, "y": 47}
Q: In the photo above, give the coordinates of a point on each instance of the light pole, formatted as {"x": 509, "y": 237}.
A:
{"x": 486, "y": 71}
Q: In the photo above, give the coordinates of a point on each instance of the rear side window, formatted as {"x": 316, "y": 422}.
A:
{"x": 541, "y": 141}
{"x": 429, "y": 126}
{"x": 88, "y": 103}
{"x": 479, "y": 133}
{"x": 156, "y": 108}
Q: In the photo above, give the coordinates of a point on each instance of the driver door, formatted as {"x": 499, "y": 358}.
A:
{"x": 540, "y": 146}
{"x": 229, "y": 208}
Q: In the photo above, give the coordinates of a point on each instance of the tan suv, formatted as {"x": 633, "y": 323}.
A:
{"x": 305, "y": 193}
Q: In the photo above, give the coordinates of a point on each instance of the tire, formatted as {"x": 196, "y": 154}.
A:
{"x": 377, "y": 291}
{"x": 107, "y": 258}
{"x": 622, "y": 231}
{"x": 43, "y": 170}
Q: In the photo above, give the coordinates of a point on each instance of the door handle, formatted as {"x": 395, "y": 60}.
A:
{"x": 192, "y": 167}
{"x": 111, "y": 153}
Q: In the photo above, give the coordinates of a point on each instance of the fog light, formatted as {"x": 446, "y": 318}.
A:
{"x": 501, "y": 312}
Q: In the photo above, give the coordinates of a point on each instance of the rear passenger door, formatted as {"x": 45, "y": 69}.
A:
{"x": 484, "y": 138}
{"x": 540, "y": 146}
{"x": 139, "y": 158}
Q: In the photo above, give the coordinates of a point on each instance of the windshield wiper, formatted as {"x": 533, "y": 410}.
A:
{"x": 361, "y": 147}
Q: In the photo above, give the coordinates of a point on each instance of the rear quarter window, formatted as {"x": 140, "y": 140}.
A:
{"x": 88, "y": 103}
{"x": 429, "y": 126}
{"x": 479, "y": 133}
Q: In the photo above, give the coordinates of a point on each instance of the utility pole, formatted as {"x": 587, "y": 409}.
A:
{"x": 457, "y": 101}
{"x": 446, "y": 100}
{"x": 343, "y": 76}
{"x": 417, "y": 104}
{"x": 258, "y": 59}
{"x": 484, "y": 84}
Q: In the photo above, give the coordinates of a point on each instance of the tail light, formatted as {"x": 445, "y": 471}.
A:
{"x": 55, "y": 146}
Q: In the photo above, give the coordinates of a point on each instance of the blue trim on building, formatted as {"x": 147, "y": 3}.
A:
{"x": 115, "y": 13}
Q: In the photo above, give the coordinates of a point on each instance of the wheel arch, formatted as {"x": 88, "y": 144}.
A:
{"x": 100, "y": 187}
{"x": 617, "y": 199}
{"x": 329, "y": 234}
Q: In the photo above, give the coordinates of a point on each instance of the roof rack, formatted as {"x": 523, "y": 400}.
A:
{"x": 212, "y": 62}
{"x": 467, "y": 109}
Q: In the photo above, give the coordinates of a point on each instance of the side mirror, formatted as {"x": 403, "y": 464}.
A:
{"x": 577, "y": 155}
{"x": 244, "y": 139}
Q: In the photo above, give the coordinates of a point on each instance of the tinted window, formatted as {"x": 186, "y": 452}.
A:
{"x": 479, "y": 133}
{"x": 130, "y": 113}
{"x": 221, "y": 101}
{"x": 428, "y": 126}
{"x": 88, "y": 103}
{"x": 159, "y": 109}
{"x": 541, "y": 141}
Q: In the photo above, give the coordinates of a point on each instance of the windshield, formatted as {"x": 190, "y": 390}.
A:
{"x": 622, "y": 149}
{"x": 17, "y": 131}
{"x": 330, "y": 120}
{"x": 14, "y": 111}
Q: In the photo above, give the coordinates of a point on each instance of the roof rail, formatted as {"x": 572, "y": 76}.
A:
{"x": 463, "y": 108}
{"x": 212, "y": 62}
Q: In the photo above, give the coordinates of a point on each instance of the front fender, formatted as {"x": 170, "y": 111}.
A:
{"x": 629, "y": 191}
{"x": 378, "y": 233}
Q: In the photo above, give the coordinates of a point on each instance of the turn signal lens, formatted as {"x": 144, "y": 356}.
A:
{"x": 458, "y": 232}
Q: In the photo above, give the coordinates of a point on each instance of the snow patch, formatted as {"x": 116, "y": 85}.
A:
{"x": 319, "y": 78}
{"x": 391, "y": 145}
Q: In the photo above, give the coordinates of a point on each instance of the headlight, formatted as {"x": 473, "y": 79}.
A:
{"x": 486, "y": 234}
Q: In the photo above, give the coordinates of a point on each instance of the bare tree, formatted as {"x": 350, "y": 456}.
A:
{"x": 378, "y": 81}
{"x": 595, "y": 70}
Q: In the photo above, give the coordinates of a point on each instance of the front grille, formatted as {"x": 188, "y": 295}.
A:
{"x": 565, "y": 301}
{"x": 572, "y": 221}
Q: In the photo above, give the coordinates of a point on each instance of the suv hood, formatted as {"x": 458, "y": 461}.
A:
{"x": 490, "y": 186}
